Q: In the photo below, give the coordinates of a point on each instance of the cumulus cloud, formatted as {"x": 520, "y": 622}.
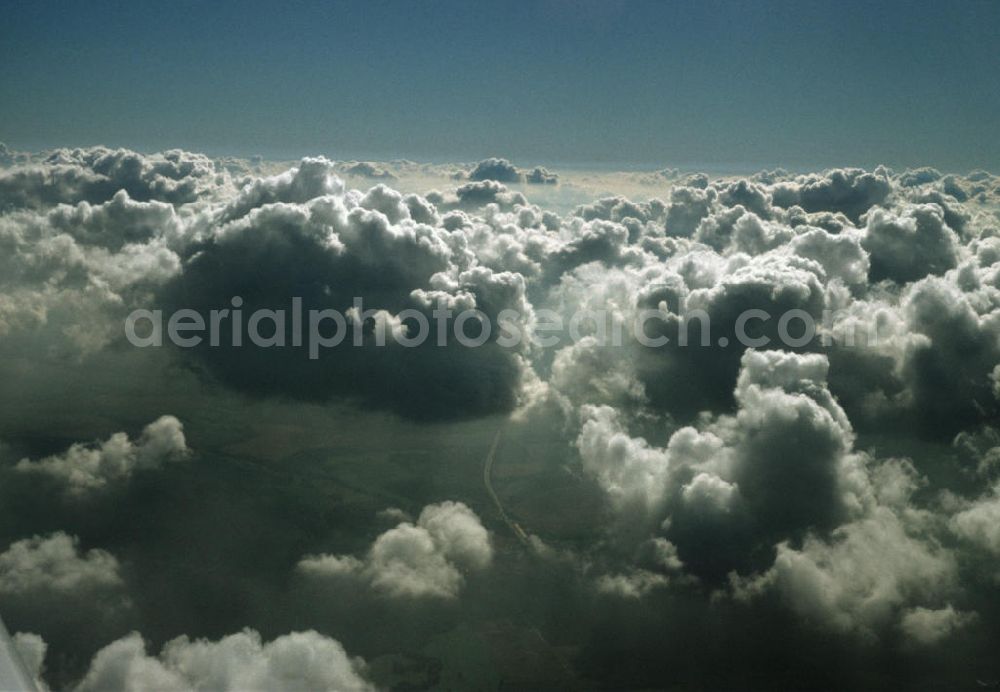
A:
{"x": 910, "y": 246}
{"x": 628, "y": 469}
{"x": 753, "y": 197}
{"x": 630, "y": 585}
{"x": 845, "y": 483}
{"x": 31, "y": 648}
{"x": 94, "y": 175}
{"x": 10, "y": 157}
{"x": 55, "y": 565}
{"x": 313, "y": 177}
{"x": 331, "y": 250}
{"x": 950, "y": 350}
{"x": 841, "y": 254}
{"x": 540, "y": 176}
{"x": 118, "y": 222}
{"x": 919, "y": 176}
{"x": 851, "y": 191}
{"x": 782, "y": 465}
{"x": 852, "y": 552}
{"x": 367, "y": 169}
{"x": 863, "y": 579}
{"x": 500, "y": 170}
{"x": 979, "y": 522}
{"x": 85, "y": 468}
{"x": 926, "y": 627}
{"x": 479, "y": 194}
{"x": 503, "y": 171}
{"x": 428, "y": 558}
{"x": 242, "y": 661}
{"x": 688, "y": 206}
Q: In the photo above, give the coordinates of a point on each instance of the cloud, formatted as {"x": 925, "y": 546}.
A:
{"x": 785, "y": 406}
{"x": 863, "y": 580}
{"x": 55, "y": 565}
{"x": 628, "y": 469}
{"x": 94, "y": 175}
{"x": 979, "y": 522}
{"x": 313, "y": 177}
{"x": 688, "y": 206}
{"x": 851, "y": 191}
{"x": 619, "y": 209}
{"x": 67, "y": 271}
{"x": 118, "y": 222}
{"x": 631, "y": 585}
{"x": 841, "y": 254}
{"x": 10, "y": 157}
{"x": 87, "y": 468}
{"x": 910, "y": 246}
{"x": 919, "y": 176}
{"x": 334, "y": 249}
{"x": 31, "y": 649}
{"x": 926, "y": 627}
{"x": 686, "y": 379}
{"x": 503, "y": 171}
{"x": 753, "y": 197}
{"x": 500, "y": 170}
{"x": 479, "y": 194}
{"x": 842, "y": 490}
{"x": 950, "y": 351}
{"x": 780, "y": 467}
{"x": 595, "y": 241}
{"x": 540, "y": 176}
{"x": 243, "y": 661}
{"x": 367, "y": 169}
{"x": 425, "y": 559}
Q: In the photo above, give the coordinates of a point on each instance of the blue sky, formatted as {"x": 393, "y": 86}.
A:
{"x": 627, "y": 84}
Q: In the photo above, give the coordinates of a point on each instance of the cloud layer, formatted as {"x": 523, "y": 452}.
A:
{"x": 807, "y": 501}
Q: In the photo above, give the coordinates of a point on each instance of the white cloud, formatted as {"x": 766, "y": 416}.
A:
{"x": 721, "y": 453}
{"x": 909, "y": 246}
{"x": 867, "y": 576}
{"x": 425, "y": 559}
{"x": 54, "y": 564}
{"x": 31, "y": 648}
{"x": 242, "y": 661}
{"x": 927, "y": 627}
{"x": 979, "y": 522}
{"x": 633, "y": 585}
{"x": 86, "y": 468}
